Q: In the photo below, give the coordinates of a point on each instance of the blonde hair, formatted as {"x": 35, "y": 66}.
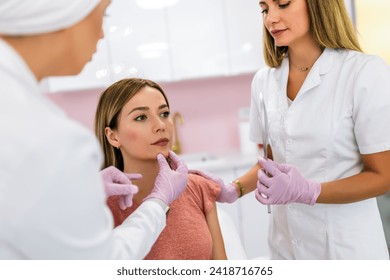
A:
{"x": 330, "y": 26}
{"x": 109, "y": 107}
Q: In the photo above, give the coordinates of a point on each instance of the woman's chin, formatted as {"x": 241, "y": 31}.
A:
{"x": 164, "y": 152}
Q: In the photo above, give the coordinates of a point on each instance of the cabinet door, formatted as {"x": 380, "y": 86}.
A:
{"x": 138, "y": 42}
{"x": 198, "y": 39}
{"x": 229, "y": 220}
{"x": 244, "y": 24}
{"x": 94, "y": 75}
{"x": 350, "y": 4}
{"x": 254, "y": 219}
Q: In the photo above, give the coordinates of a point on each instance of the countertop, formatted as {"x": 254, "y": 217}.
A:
{"x": 218, "y": 162}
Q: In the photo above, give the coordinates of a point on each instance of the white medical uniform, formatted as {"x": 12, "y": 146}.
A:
{"x": 52, "y": 201}
{"x": 341, "y": 112}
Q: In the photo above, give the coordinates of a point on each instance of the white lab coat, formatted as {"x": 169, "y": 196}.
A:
{"x": 341, "y": 112}
{"x": 52, "y": 202}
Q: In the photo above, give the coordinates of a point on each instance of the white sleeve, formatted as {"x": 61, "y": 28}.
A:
{"x": 136, "y": 235}
{"x": 63, "y": 212}
{"x": 371, "y": 110}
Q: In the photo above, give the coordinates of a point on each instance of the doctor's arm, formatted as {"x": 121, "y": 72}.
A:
{"x": 287, "y": 185}
{"x": 373, "y": 181}
{"x": 371, "y": 107}
{"x": 231, "y": 191}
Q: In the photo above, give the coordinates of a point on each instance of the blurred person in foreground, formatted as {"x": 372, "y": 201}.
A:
{"x": 52, "y": 197}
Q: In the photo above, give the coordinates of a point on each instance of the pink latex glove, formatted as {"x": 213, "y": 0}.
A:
{"x": 118, "y": 183}
{"x": 170, "y": 183}
{"x": 228, "y": 192}
{"x": 285, "y": 186}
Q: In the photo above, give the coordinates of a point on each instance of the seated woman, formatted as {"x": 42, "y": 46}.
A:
{"x": 133, "y": 125}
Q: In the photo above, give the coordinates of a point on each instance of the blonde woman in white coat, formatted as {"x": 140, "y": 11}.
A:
{"x": 328, "y": 108}
{"x": 52, "y": 199}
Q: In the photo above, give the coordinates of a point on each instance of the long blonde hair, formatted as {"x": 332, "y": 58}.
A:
{"x": 330, "y": 26}
{"x": 110, "y": 105}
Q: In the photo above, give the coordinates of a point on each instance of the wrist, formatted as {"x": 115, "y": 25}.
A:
{"x": 162, "y": 204}
{"x": 315, "y": 192}
{"x": 239, "y": 187}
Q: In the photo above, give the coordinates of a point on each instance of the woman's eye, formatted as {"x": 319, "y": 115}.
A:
{"x": 140, "y": 118}
{"x": 165, "y": 114}
{"x": 283, "y": 6}
{"x": 265, "y": 11}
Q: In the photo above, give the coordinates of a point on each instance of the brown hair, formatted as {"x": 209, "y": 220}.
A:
{"x": 110, "y": 105}
{"x": 330, "y": 26}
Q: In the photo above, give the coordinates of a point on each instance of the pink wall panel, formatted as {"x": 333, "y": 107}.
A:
{"x": 209, "y": 107}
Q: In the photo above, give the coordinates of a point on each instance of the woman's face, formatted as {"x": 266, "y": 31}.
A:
{"x": 144, "y": 126}
{"x": 286, "y": 20}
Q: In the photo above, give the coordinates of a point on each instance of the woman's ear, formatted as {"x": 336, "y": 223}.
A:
{"x": 111, "y": 137}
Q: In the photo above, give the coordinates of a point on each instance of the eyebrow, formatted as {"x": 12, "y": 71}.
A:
{"x": 263, "y": 3}
{"x": 145, "y": 108}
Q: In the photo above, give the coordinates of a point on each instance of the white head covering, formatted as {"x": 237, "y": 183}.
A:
{"x": 27, "y": 17}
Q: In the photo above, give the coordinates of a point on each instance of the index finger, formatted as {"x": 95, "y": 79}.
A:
{"x": 133, "y": 176}
{"x": 162, "y": 162}
{"x": 270, "y": 166}
{"x": 180, "y": 165}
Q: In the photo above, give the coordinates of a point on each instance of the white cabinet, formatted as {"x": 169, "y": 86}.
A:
{"x": 254, "y": 220}
{"x": 198, "y": 39}
{"x": 138, "y": 41}
{"x": 243, "y": 24}
{"x": 172, "y": 40}
{"x": 350, "y": 4}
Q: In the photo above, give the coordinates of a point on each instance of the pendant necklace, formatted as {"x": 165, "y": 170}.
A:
{"x": 303, "y": 69}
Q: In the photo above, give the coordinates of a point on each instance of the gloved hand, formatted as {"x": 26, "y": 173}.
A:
{"x": 285, "y": 186}
{"x": 170, "y": 183}
{"x": 228, "y": 192}
{"x": 118, "y": 183}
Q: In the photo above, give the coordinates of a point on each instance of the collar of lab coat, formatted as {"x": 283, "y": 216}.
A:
{"x": 322, "y": 66}
{"x": 18, "y": 72}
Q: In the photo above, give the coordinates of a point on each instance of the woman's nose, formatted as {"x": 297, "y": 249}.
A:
{"x": 272, "y": 16}
{"x": 159, "y": 125}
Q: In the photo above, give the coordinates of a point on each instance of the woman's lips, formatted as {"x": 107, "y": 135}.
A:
{"x": 277, "y": 32}
{"x": 161, "y": 142}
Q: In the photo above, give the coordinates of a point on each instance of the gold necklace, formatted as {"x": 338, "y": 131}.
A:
{"x": 303, "y": 68}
